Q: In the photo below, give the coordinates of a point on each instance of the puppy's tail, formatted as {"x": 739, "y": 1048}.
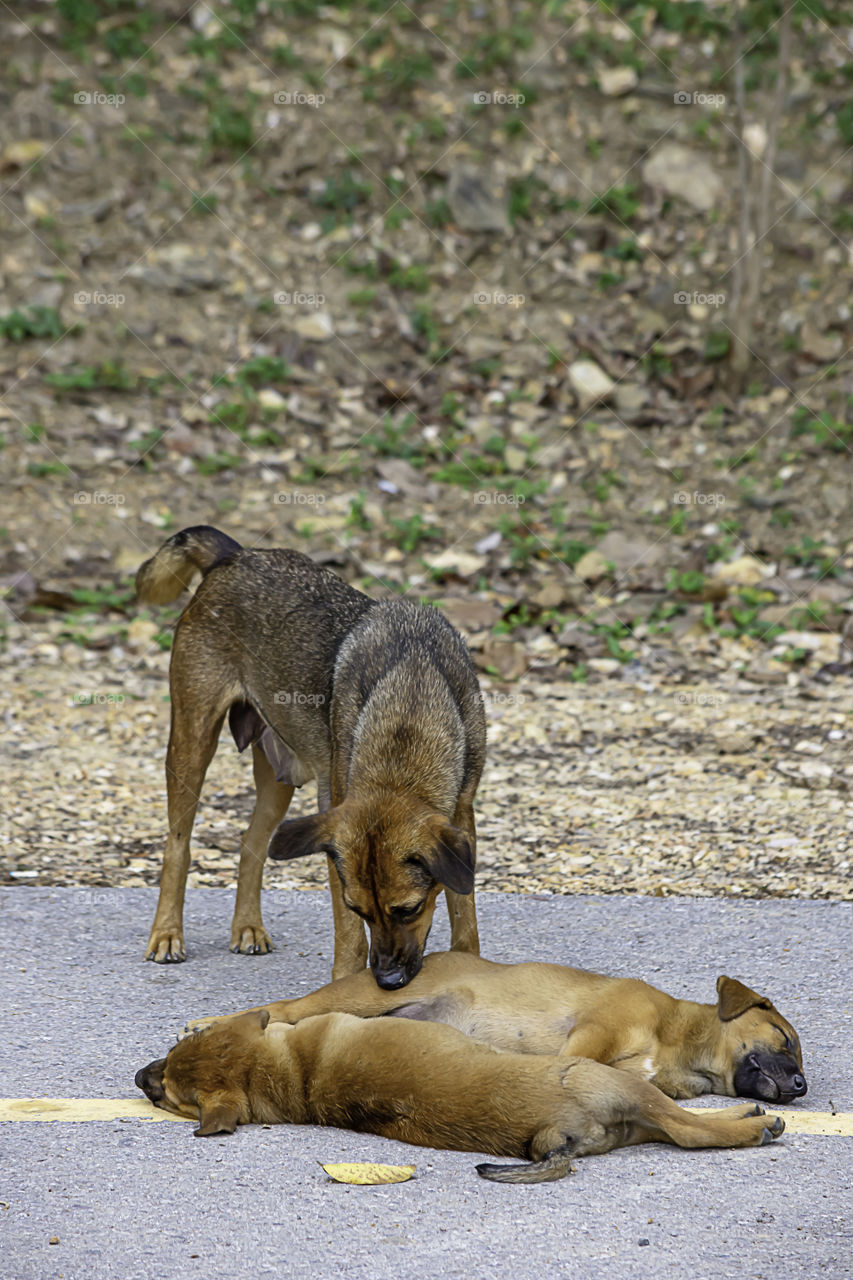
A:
{"x": 169, "y": 572}
{"x": 554, "y": 1166}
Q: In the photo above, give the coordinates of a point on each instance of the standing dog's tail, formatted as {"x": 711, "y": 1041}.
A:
{"x": 554, "y": 1166}
{"x": 171, "y": 570}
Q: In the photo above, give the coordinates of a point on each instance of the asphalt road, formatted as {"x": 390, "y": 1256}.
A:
{"x": 126, "y": 1199}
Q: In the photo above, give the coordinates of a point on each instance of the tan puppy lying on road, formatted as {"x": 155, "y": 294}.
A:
{"x": 739, "y": 1047}
{"x": 431, "y": 1085}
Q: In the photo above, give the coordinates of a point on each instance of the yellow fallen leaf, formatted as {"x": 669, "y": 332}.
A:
{"x": 370, "y": 1175}
{"x": 19, "y": 154}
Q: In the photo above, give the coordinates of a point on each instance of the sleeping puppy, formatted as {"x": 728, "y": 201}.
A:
{"x": 741, "y": 1046}
{"x": 428, "y": 1084}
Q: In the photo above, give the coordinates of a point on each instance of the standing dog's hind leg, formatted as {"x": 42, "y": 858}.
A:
{"x": 192, "y": 745}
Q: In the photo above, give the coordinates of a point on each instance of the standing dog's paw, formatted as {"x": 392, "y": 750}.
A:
{"x": 251, "y": 940}
{"x": 166, "y": 946}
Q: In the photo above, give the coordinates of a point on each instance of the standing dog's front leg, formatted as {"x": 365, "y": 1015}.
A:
{"x": 350, "y": 938}
{"x": 460, "y": 906}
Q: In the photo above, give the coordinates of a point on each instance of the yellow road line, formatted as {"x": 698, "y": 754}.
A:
{"x": 77, "y": 1109}
{"x": 82, "y": 1109}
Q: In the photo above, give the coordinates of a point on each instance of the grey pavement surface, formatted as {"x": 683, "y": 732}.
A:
{"x": 130, "y": 1200}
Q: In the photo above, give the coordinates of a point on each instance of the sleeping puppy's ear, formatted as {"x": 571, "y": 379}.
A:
{"x": 450, "y": 859}
{"x": 218, "y": 1113}
{"x": 734, "y": 999}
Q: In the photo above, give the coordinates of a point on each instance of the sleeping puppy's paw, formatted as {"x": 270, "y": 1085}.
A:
{"x": 196, "y": 1025}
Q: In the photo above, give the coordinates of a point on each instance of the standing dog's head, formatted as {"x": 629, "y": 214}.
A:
{"x": 393, "y": 856}
{"x": 205, "y": 1076}
{"x": 764, "y": 1056}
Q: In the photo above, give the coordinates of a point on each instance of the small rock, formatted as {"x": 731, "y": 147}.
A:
{"x": 551, "y": 595}
{"x": 515, "y": 458}
{"x": 605, "y": 666}
{"x": 316, "y": 326}
{"x": 746, "y": 571}
{"x": 755, "y": 139}
{"x": 593, "y": 565}
{"x": 406, "y": 479}
{"x": 817, "y": 774}
{"x": 615, "y": 81}
{"x": 589, "y": 382}
{"x": 680, "y": 172}
{"x": 629, "y": 398}
{"x": 141, "y": 631}
{"x": 491, "y": 542}
{"x": 456, "y": 562}
{"x": 630, "y": 553}
{"x": 471, "y": 615}
{"x": 507, "y": 657}
{"x": 821, "y": 347}
{"x": 476, "y": 203}
{"x": 203, "y": 19}
{"x": 269, "y": 398}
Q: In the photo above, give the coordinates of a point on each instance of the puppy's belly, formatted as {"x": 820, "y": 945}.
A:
{"x": 515, "y": 1032}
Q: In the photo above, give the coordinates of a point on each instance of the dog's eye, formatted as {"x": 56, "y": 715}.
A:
{"x": 406, "y": 913}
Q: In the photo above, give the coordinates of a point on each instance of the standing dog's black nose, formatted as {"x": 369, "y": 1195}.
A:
{"x": 390, "y": 979}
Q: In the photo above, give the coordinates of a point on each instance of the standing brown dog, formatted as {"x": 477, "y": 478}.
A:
{"x": 431, "y": 1085}
{"x": 377, "y": 700}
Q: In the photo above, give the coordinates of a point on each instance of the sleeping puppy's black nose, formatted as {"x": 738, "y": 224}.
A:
{"x": 799, "y": 1086}
{"x": 149, "y": 1080}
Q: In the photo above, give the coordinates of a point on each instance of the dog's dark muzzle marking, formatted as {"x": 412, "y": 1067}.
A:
{"x": 149, "y": 1080}
{"x": 771, "y": 1077}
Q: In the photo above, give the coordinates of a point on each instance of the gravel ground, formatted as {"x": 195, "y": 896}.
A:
{"x": 643, "y": 785}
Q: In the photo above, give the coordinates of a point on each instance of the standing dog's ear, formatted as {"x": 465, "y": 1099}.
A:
{"x": 298, "y": 837}
{"x": 450, "y": 859}
{"x": 217, "y": 1114}
{"x": 733, "y": 999}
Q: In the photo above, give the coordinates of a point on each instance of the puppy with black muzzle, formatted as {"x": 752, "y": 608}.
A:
{"x": 741, "y": 1046}
{"x": 377, "y": 700}
{"x": 429, "y": 1084}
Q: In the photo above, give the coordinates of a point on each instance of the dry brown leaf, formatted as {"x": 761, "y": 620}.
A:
{"x": 369, "y": 1175}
